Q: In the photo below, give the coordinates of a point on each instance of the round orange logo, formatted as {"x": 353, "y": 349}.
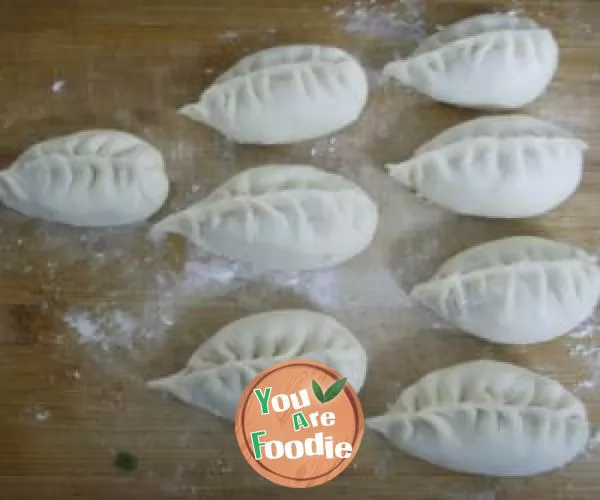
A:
{"x": 299, "y": 424}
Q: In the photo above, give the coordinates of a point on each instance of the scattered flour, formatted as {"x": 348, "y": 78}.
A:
{"x": 229, "y": 36}
{"x": 113, "y": 328}
{"x": 583, "y": 345}
{"x": 399, "y": 19}
{"x": 107, "y": 327}
{"x": 38, "y": 412}
{"x": 58, "y": 86}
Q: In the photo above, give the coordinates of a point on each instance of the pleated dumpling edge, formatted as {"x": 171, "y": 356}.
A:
{"x": 487, "y": 417}
{"x": 93, "y": 178}
{"x": 284, "y": 95}
{"x": 285, "y": 217}
{"x": 505, "y": 166}
{"x": 490, "y": 61}
{"x": 218, "y": 372}
{"x": 517, "y": 290}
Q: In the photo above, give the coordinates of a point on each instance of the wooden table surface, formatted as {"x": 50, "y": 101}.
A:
{"x": 86, "y": 316}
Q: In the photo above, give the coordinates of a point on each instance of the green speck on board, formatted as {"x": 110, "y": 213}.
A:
{"x": 125, "y": 461}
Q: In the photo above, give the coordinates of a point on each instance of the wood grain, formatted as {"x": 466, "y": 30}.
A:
{"x": 67, "y": 406}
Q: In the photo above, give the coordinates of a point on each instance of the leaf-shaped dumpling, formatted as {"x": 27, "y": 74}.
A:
{"x": 284, "y": 95}
{"x": 91, "y": 178}
{"x": 280, "y": 217}
{"x": 219, "y": 371}
{"x": 487, "y": 417}
{"x": 518, "y": 290}
{"x": 486, "y": 61}
{"x": 498, "y": 166}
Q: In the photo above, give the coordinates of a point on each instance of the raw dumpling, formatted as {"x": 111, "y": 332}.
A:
{"x": 486, "y": 61}
{"x": 219, "y": 371}
{"x": 518, "y": 290}
{"x": 285, "y": 217}
{"x": 487, "y": 417}
{"x": 91, "y": 178}
{"x": 499, "y": 166}
{"x": 284, "y": 95}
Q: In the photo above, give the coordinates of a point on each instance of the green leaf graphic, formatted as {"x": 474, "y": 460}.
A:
{"x": 318, "y": 391}
{"x": 334, "y": 389}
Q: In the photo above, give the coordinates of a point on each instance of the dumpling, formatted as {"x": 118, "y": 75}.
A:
{"x": 90, "y": 178}
{"x": 219, "y": 371}
{"x": 487, "y": 417}
{"x": 499, "y": 166}
{"x": 487, "y": 61}
{"x": 287, "y": 217}
{"x": 518, "y": 290}
{"x": 284, "y": 95}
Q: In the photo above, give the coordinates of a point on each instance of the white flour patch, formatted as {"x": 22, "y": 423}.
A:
{"x": 402, "y": 19}
{"x": 114, "y": 328}
{"x": 108, "y": 328}
{"x": 238, "y": 37}
{"x": 58, "y": 86}
{"x": 346, "y": 295}
{"x": 38, "y": 412}
{"x": 229, "y": 36}
{"x": 583, "y": 345}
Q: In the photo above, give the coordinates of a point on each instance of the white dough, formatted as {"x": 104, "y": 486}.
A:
{"x": 487, "y": 417}
{"x": 498, "y": 166}
{"x": 219, "y": 371}
{"x": 487, "y": 61}
{"x": 288, "y": 217}
{"x": 91, "y": 178}
{"x": 284, "y": 95}
{"x": 518, "y": 290}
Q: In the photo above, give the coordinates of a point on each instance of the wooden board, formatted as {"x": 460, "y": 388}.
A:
{"x": 87, "y": 316}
